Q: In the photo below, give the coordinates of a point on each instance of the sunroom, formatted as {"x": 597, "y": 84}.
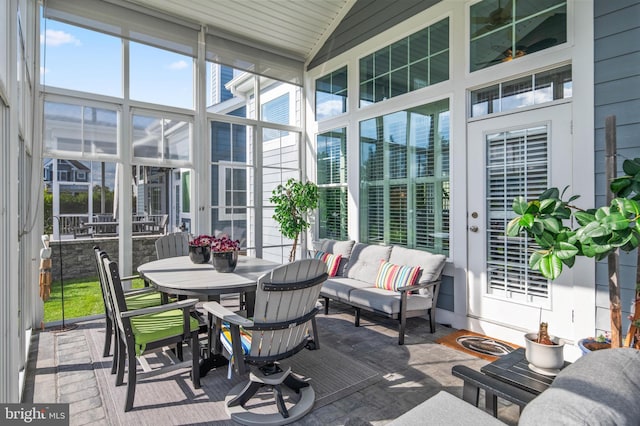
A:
{"x": 420, "y": 122}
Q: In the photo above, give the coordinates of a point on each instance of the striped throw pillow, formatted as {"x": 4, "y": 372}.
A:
{"x": 392, "y": 277}
{"x": 332, "y": 261}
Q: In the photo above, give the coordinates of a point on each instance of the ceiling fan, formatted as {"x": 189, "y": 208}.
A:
{"x": 496, "y": 18}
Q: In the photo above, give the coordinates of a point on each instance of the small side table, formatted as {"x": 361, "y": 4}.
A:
{"x": 509, "y": 378}
{"x": 514, "y": 369}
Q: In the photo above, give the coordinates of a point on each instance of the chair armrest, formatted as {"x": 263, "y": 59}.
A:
{"x": 182, "y": 304}
{"x": 492, "y": 385}
{"x": 219, "y": 311}
{"x": 418, "y": 286}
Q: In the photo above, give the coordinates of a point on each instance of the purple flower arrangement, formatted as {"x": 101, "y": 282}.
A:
{"x": 217, "y": 244}
{"x": 202, "y": 241}
{"x": 224, "y": 244}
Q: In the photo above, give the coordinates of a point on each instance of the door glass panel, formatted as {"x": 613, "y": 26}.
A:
{"x": 516, "y": 165}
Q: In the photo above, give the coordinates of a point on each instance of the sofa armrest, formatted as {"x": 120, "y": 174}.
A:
{"x": 414, "y": 287}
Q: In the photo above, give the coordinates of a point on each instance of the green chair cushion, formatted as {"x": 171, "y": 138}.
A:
{"x": 153, "y": 327}
{"x": 143, "y": 300}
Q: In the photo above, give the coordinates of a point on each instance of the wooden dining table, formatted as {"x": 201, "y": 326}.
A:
{"x": 179, "y": 275}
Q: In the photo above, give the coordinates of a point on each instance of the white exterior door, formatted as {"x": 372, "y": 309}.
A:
{"x": 521, "y": 153}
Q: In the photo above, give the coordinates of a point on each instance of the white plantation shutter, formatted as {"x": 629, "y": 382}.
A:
{"x": 516, "y": 165}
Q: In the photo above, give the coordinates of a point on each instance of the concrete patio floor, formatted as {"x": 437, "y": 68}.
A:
{"x": 64, "y": 367}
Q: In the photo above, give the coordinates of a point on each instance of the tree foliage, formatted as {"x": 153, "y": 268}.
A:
{"x": 293, "y": 203}
{"x": 597, "y": 233}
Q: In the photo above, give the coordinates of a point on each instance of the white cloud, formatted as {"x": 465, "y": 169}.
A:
{"x": 59, "y": 38}
{"x": 179, "y": 65}
{"x": 43, "y": 70}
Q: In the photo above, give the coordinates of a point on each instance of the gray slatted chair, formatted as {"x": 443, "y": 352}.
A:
{"x": 150, "y": 329}
{"x": 172, "y": 245}
{"x": 284, "y": 316}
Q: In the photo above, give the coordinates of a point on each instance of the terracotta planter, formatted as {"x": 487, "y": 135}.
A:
{"x": 544, "y": 359}
{"x": 225, "y": 261}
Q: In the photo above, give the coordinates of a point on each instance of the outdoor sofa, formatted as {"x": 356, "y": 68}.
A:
{"x": 600, "y": 388}
{"x": 392, "y": 281}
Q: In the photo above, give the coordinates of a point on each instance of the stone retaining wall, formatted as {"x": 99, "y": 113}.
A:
{"x": 78, "y": 260}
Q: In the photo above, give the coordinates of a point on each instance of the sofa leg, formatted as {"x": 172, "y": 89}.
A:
{"x": 432, "y": 320}
{"x": 326, "y": 306}
{"x": 403, "y": 323}
{"x": 357, "y": 317}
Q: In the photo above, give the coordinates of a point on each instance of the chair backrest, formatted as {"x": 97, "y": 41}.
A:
{"x": 102, "y": 276}
{"x": 116, "y": 293}
{"x": 285, "y": 307}
{"x": 172, "y": 245}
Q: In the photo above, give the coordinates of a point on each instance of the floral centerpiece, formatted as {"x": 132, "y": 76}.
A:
{"x": 200, "y": 248}
{"x": 224, "y": 244}
{"x": 224, "y": 252}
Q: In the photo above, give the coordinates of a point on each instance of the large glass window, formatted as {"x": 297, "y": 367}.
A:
{"x": 160, "y": 76}
{"x": 332, "y": 184}
{"x": 220, "y": 99}
{"x": 331, "y": 94}
{"x": 77, "y": 130}
{"x": 404, "y": 170}
{"x": 96, "y": 59}
{"x": 524, "y": 91}
{"x": 231, "y": 177}
{"x": 414, "y": 62}
{"x": 161, "y": 138}
{"x": 503, "y": 30}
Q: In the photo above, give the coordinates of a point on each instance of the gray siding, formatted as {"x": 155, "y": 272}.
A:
{"x": 366, "y": 19}
{"x": 617, "y": 92}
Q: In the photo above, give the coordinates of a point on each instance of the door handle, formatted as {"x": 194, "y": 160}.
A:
{"x": 473, "y": 228}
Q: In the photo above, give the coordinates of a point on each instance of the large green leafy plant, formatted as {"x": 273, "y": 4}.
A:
{"x": 596, "y": 232}
{"x": 293, "y": 203}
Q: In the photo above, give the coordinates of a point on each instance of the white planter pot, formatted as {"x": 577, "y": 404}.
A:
{"x": 544, "y": 359}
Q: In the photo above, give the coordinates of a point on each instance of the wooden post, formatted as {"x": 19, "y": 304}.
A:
{"x": 613, "y": 258}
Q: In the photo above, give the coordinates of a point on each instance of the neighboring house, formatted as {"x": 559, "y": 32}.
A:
{"x": 420, "y": 123}
{"x": 71, "y": 171}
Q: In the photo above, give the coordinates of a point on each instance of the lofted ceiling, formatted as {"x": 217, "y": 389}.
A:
{"x": 296, "y": 28}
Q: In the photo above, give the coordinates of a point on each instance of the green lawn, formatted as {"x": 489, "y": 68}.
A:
{"x": 82, "y": 298}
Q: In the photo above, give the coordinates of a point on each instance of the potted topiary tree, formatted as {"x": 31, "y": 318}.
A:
{"x": 293, "y": 203}
{"x": 599, "y": 232}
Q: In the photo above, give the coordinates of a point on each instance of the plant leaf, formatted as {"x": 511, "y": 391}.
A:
{"x": 565, "y": 250}
{"x": 550, "y": 266}
{"x": 519, "y": 205}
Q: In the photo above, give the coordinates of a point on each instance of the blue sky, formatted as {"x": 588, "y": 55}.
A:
{"x": 79, "y": 59}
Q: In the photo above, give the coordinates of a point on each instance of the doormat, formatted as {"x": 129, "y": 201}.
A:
{"x": 477, "y": 344}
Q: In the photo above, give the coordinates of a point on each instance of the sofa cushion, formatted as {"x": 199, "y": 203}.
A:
{"x": 365, "y": 260}
{"x": 339, "y": 287}
{"x": 343, "y": 248}
{"x": 431, "y": 264}
{"x": 446, "y": 410}
{"x": 332, "y": 261}
{"x": 387, "y": 301}
{"x": 600, "y": 388}
{"x": 392, "y": 277}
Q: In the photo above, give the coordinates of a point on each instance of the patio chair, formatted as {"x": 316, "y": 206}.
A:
{"x": 172, "y": 245}
{"x": 145, "y": 330}
{"x": 284, "y": 315}
{"x": 135, "y": 299}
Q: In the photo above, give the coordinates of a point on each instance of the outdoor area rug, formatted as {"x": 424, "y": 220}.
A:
{"x": 477, "y": 344}
{"x": 171, "y": 397}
